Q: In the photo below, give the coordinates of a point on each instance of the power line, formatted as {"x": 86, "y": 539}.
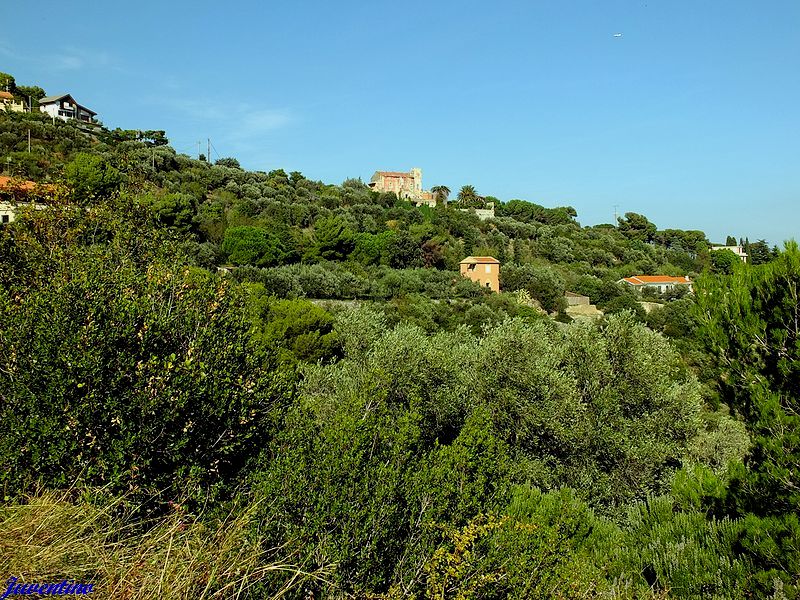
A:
{"x": 214, "y": 149}
{"x": 184, "y": 149}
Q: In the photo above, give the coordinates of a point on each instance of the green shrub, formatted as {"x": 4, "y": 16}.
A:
{"x": 625, "y": 303}
{"x": 684, "y": 553}
{"x": 91, "y": 177}
{"x": 542, "y": 283}
{"x": 295, "y": 330}
{"x": 252, "y": 246}
{"x": 137, "y": 375}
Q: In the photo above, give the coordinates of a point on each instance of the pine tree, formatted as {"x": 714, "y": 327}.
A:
{"x": 751, "y": 325}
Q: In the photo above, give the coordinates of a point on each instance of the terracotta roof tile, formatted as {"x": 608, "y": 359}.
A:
{"x": 472, "y": 260}
{"x": 17, "y": 184}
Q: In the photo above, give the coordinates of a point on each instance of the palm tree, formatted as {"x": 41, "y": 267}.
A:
{"x": 440, "y": 192}
{"x": 469, "y": 198}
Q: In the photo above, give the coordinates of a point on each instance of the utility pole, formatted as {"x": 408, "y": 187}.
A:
{"x": 154, "y": 160}
{"x": 29, "y": 140}
{"x": 208, "y": 156}
{"x": 616, "y": 206}
{"x": 198, "y": 149}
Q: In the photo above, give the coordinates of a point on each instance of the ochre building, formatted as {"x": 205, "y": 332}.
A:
{"x": 484, "y": 270}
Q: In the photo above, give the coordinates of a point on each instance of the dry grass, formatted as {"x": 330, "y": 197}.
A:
{"x": 50, "y": 538}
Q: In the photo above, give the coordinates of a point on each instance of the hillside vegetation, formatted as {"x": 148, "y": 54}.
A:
{"x": 178, "y": 417}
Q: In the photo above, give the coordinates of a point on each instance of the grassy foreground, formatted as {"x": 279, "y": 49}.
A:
{"x": 52, "y": 537}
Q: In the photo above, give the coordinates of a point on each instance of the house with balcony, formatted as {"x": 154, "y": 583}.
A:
{"x": 65, "y": 107}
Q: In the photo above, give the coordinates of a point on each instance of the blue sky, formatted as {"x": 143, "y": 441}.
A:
{"x": 692, "y": 117}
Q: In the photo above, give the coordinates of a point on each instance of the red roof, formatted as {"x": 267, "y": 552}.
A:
{"x": 17, "y": 184}
{"x": 394, "y": 174}
{"x": 6, "y": 95}
{"x": 472, "y": 260}
{"x": 19, "y": 187}
{"x": 657, "y": 279}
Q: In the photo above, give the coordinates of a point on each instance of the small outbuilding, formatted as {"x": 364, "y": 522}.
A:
{"x": 484, "y": 270}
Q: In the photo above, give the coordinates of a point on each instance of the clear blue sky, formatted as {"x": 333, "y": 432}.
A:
{"x": 692, "y": 117}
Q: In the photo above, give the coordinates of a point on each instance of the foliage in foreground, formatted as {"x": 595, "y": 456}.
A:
{"x": 751, "y": 327}
{"x": 410, "y": 430}
{"x": 120, "y": 367}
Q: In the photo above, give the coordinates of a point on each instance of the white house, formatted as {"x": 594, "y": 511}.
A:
{"x": 659, "y": 282}
{"x": 737, "y": 250}
{"x": 65, "y": 108}
{"x": 17, "y": 192}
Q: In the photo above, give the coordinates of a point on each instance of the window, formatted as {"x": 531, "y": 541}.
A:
{"x": 6, "y": 219}
{"x": 488, "y": 268}
{"x": 471, "y": 267}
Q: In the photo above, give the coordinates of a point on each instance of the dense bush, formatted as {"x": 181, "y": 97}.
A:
{"x": 329, "y": 280}
{"x": 139, "y": 375}
{"x": 91, "y": 177}
{"x": 409, "y": 429}
{"x": 542, "y": 283}
{"x": 294, "y": 330}
{"x": 252, "y": 246}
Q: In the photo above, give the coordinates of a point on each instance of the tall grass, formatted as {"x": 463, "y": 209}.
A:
{"x": 52, "y": 537}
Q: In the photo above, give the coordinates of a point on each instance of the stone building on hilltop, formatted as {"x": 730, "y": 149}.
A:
{"x": 407, "y": 186}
